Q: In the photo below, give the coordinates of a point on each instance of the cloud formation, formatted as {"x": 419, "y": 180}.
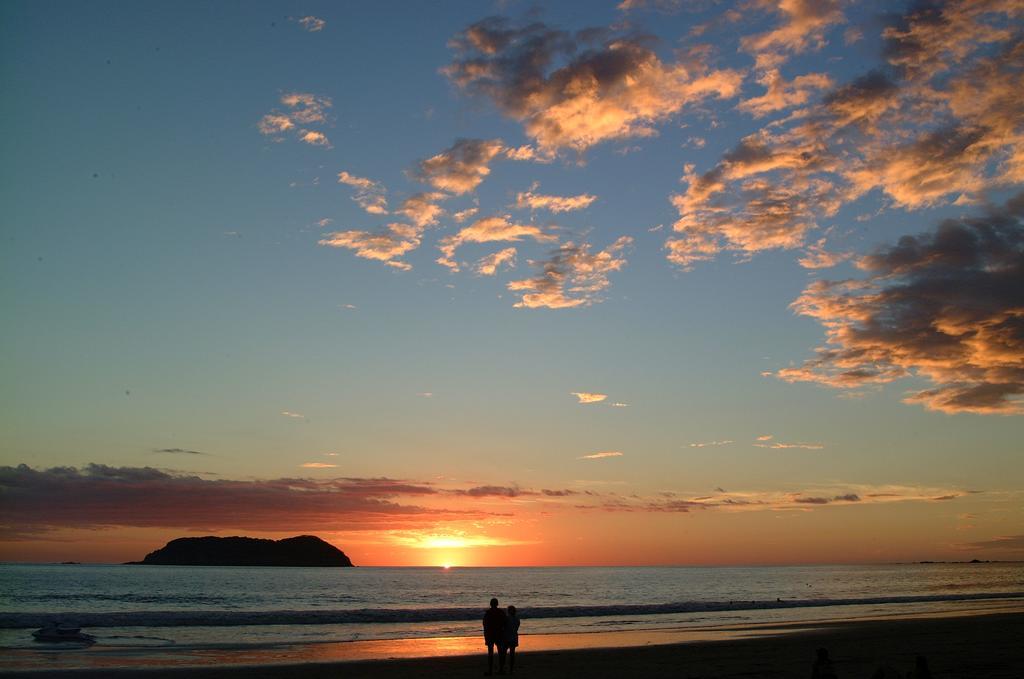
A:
{"x": 780, "y": 95}
{"x": 314, "y": 138}
{"x": 370, "y": 195}
{"x": 302, "y": 110}
{"x": 311, "y": 23}
{"x": 493, "y": 229}
{"x": 601, "y": 455}
{"x": 802, "y": 27}
{"x": 779, "y": 445}
{"x": 575, "y": 91}
{"x": 460, "y": 168}
{"x": 588, "y": 396}
{"x": 817, "y": 257}
{"x": 387, "y": 245}
{"x": 99, "y": 496}
{"x": 422, "y": 208}
{"x": 705, "y": 444}
{"x": 571, "y": 277}
{"x": 462, "y": 215}
{"x": 945, "y": 305}
{"x": 488, "y": 265}
{"x": 940, "y": 123}
{"x": 179, "y": 451}
{"x": 528, "y": 200}
{"x": 811, "y": 499}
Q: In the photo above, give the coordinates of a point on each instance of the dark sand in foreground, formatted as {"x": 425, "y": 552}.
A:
{"x": 987, "y": 646}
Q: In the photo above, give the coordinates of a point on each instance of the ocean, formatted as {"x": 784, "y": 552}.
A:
{"x": 154, "y": 615}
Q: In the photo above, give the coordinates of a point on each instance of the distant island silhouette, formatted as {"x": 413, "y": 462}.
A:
{"x": 302, "y": 550}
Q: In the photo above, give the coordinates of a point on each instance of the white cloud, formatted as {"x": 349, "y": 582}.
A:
{"x": 312, "y": 24}
{"x": 601, "y": 455}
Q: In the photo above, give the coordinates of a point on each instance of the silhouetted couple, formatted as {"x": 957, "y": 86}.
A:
{"x": 501, "y": 629}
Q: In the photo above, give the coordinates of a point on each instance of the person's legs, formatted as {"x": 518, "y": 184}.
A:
{"x": 490, "y": 659}
{"x": 501, "y": 658}
{"x": 511, "y": 659}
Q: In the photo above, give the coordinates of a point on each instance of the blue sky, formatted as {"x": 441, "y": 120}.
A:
{"x": 167, "y": 289}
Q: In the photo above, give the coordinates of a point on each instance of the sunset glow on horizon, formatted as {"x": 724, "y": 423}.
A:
{"x": 456, "y": 284}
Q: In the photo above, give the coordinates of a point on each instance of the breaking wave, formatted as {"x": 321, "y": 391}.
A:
{"x": 226, "y": 618}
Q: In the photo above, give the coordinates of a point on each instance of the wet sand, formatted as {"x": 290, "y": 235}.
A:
{"x": 986, "y": 646}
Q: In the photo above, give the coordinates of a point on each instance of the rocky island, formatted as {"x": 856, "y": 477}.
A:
{"x": 302, "y": 550}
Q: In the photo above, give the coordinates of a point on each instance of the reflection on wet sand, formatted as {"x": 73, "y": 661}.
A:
{"x": 99, "y": 657}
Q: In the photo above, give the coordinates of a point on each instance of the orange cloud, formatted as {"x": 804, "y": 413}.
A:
{"x": 462, "y": 167}
{"x": 463, "y": 215}
{"x": 588, "y": 396}
{"x": 306, "y": 108}
{"x": 275, "y": 123}
{"x": 369, "y": 194}
{"x": 802, "y": 27}
{"x": 387, "y": 245}
{"x": 571, "y": 277}
{"x": 422, "y": 208}
{"x": 617, "y": 90}
{"x": 489, "y": 265}
{"x": 488, "y": 230}
{"x": 303, "y": 109}
{"x": 945, "y": 305}
{"x": 781, "y": 95}
{"x": 314, "y": 138}
{"x": 932, "y": 39}
{"x": 535, "y": 201}
{"x": 945, "y": 128}
{"x": 817, "y": 257}
{"x": 530, "y": 153}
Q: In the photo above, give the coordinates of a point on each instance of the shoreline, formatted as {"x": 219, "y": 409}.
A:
{"x": 960, "y": 643}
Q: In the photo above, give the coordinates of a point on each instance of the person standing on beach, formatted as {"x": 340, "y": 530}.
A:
{"x": 494, "y": 635}
{"x": 512, "y": 638}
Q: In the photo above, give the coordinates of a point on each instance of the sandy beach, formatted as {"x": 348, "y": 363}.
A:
{"x": 976, "y": 646}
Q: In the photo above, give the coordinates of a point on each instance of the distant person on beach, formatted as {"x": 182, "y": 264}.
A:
{"x": 823, "y": 668}
{"x": 512, "y": 638}
{"x": 494, "y": 635}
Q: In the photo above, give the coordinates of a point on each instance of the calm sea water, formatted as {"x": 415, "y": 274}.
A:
{"x": 149, "y": 607}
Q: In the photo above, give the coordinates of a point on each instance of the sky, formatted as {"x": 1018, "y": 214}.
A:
{"x": 472, "y": 283}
